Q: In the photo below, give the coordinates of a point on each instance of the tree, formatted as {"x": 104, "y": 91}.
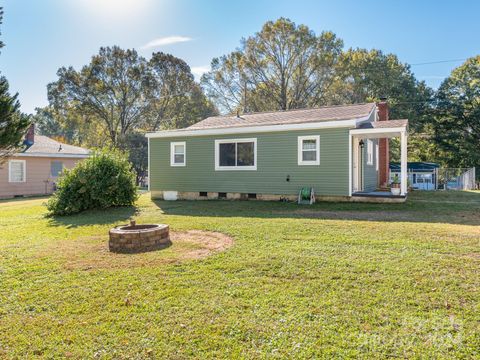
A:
{"x": 368, "y": 75}
{"x": 12, "y": 122}
{"x": 456, "y": 123}
{"x": 111, "y": 89}
{"x": 284, "y": 66}
{"x": 120, "y": 93}
{"x": 136, "y": 146}
{"x": 170, "y": 91}
{"x": 70, "y": 126}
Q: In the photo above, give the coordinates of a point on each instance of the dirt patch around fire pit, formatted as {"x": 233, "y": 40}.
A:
{"x": 89, "y": 253}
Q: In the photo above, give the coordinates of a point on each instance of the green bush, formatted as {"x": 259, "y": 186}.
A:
{"x": 103, "y": 180}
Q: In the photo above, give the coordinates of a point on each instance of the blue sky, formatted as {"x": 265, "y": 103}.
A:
{"x": 42, "y": 36}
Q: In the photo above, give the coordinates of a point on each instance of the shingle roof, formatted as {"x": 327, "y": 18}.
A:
{"x": 326, "y": 113}
{"x": 383, "y": 124}
{"x": 419, "y": 166}
{"x": 45, "y": 145}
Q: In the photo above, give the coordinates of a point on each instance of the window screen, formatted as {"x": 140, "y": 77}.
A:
{"x": 56, "y": 168}
{"x": 16, "y": 171}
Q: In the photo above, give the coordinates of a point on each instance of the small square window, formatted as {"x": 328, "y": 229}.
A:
{"x": 203, "y": 194}
{"x": 222, "y": 195}
{"x": 178, "y": 154}
{"x": 309, "y": 150}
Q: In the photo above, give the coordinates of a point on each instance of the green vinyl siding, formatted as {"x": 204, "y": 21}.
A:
{"x": 370, "y": 176}
{"x": 277, "y": 158}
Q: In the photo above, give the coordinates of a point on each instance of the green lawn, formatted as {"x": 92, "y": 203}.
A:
{"x": 330, "y": 280}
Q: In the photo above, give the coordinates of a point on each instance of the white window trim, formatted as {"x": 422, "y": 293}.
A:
{"x": 300, "y": 150}
{"x": 23, "y": 162}
{"x": 377, "y": 154}
{"x": 172, "y": 153}
{"x": 369, "y": 152}
{"x": 240, "y": 168}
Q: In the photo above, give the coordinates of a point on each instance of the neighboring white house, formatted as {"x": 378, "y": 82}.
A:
{"x": 421, "y": 175}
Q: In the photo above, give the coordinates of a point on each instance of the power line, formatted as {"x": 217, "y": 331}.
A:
{"x": 437, "y": 62}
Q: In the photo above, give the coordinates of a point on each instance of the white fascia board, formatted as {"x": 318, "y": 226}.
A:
{"x": 376, "y": 131}
{"x": 366, "y": 118}
{"x": 258, "y": 129}
{"x": 148, "y": 169}
{"x": 350, "y": 164}
{"x": 73, "y": 156}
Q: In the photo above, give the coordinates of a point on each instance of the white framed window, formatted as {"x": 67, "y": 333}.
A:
{"x": 376, "y": 156}
{"x": 309, "y": 150}
{"x": 178, "y": 153}
{"x": 17, "y": 171}
{"x": 369, "y": 152}
{"x": 56, "y": 168}
{"x": 236, "y": 154}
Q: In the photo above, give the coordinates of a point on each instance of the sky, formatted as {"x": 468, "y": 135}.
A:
{"x": 42, "y": 36}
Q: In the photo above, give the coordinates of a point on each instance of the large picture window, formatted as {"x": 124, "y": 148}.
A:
{"x": 236, "y": 154}
{"x": 309, "y": 150}
{"x": 16, "y": 171}
{"x": 178, "y": 153}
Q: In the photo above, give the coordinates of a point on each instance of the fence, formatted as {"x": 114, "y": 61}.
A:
{"x": 456, "y": 179}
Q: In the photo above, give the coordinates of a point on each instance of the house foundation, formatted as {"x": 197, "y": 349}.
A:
{"x": 190, "y": 195}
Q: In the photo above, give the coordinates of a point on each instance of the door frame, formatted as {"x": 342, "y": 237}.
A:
{"x": 357, "y": 166}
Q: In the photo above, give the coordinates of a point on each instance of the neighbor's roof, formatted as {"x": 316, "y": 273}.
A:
{"x": 325, "y": 113}
{"x": 420, "y": 166}
{"x": 47, "y": 146}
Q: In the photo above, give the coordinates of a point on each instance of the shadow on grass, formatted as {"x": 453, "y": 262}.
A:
{"x": 446, "y": 207}
{"x": 23, "y": 198}
{"x": 95, "y": 217}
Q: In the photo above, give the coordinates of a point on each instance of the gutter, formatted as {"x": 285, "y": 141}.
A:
{"x": 50, "y": 155}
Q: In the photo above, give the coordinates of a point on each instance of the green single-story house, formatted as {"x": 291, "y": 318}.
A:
{"x": 339, "y": 151}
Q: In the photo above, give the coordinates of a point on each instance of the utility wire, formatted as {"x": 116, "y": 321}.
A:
{"x": 437, "y": 62}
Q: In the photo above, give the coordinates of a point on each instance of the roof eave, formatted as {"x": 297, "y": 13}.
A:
{"x": 51, "y": 155}
{"x": 348, "y": 123}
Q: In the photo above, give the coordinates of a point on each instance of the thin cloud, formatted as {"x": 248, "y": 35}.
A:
{"x": 198, "y": 71}
{"x": 168, "y": 40}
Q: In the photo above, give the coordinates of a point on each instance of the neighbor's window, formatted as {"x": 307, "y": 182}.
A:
{"x": 236, "y": 154}
{"x": 56, "y": 168}
{"x": 369, "y": 152}
{"x": 309, "y": 150}
{"x": 177, "y": 153}
{"x": 16, "y": 171}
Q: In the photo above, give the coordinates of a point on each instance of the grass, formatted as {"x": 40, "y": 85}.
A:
{"x": 331, "y": 280}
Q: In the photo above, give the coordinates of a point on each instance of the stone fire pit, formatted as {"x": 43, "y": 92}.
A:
{"x": 138, "y": 238}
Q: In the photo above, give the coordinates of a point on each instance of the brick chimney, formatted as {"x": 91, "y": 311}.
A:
{"x": 30, "y": 136}
{"x": 383, "y": 146}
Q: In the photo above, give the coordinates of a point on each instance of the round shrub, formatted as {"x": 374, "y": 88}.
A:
{"x": 103, "y": 180}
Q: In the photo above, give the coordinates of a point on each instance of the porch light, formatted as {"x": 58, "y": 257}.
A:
{"x": 361, "y": 143}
